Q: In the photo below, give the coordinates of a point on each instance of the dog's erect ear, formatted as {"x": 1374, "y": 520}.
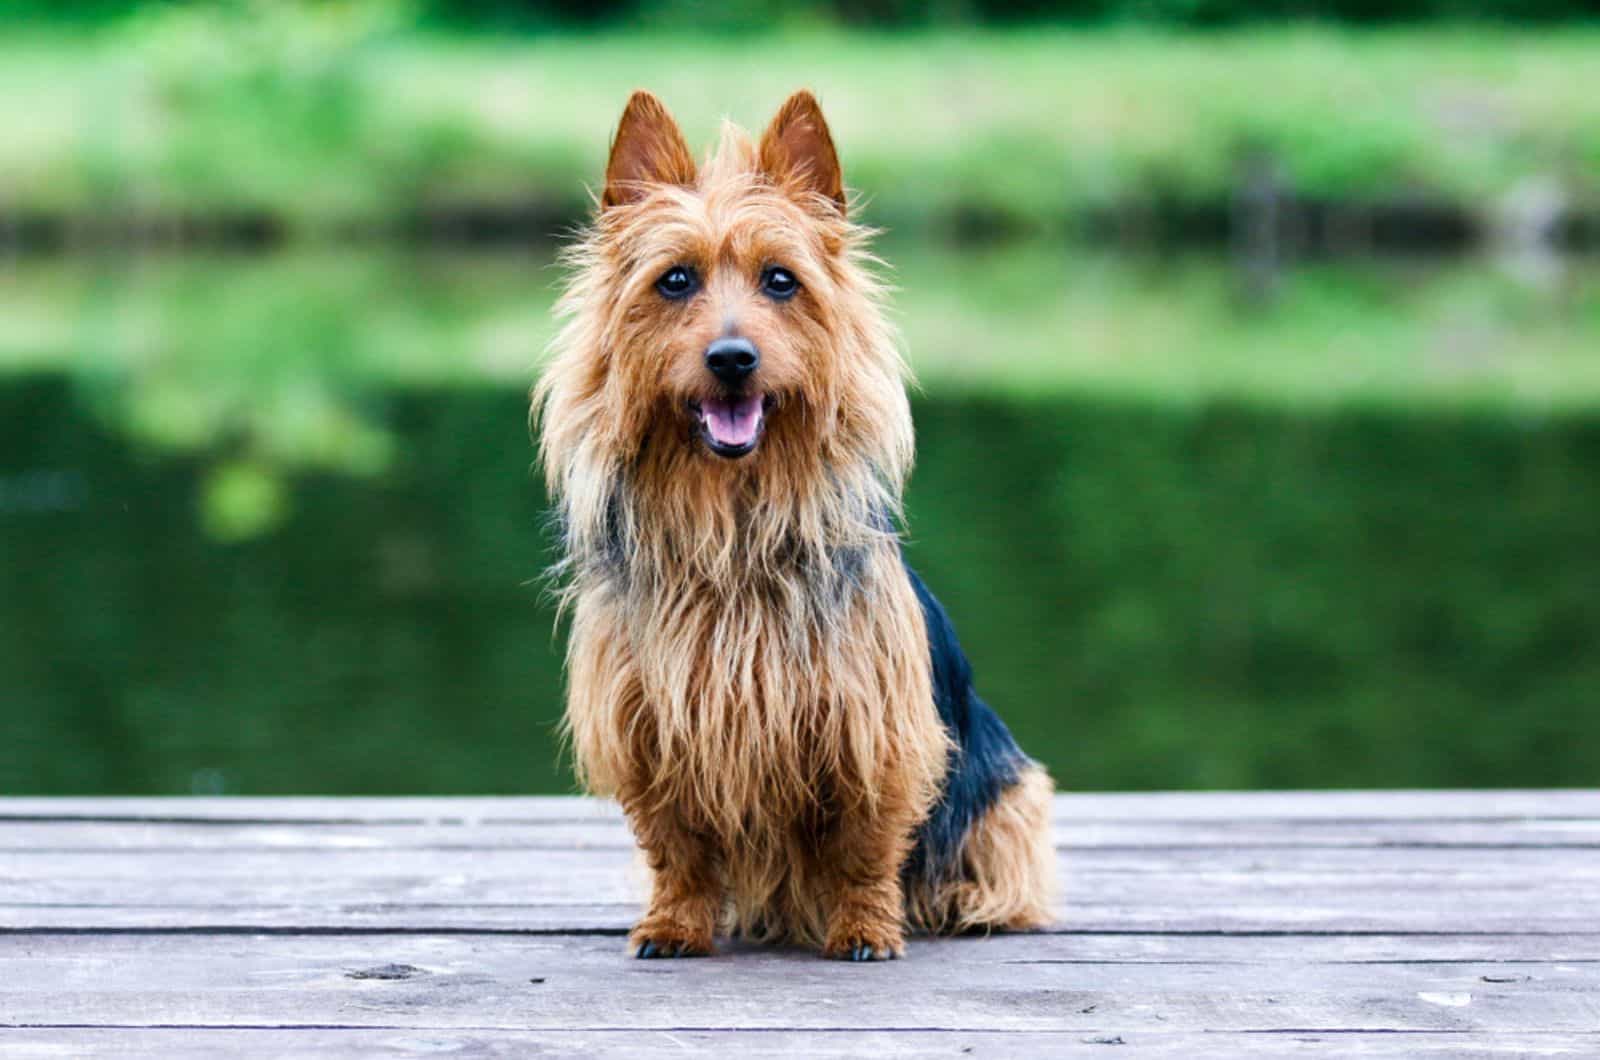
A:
{"x": 796, "y": 149}
{"x": 648, "y": 149}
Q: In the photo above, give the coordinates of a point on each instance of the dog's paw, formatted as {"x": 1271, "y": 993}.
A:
{"x": 653, "y": 939}
{"x": 864, "y": 945}
{"x": 651, "y": 948}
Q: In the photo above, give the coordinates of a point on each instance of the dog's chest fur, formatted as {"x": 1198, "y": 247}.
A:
{"x": 763, "y": 693}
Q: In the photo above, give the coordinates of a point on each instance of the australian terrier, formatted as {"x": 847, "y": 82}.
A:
{"x": 775, "y": 698}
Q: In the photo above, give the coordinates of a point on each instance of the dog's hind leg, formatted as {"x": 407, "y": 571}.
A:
{"x": 1008, "y": 861}
{"x": 984, "y": 857}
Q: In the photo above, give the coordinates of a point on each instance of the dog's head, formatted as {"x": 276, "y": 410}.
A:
{"x": 720, "y": 316}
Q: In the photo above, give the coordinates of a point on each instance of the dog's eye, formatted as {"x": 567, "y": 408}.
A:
{"x": 779, "y": 283}
{"x": 678, "y": 282}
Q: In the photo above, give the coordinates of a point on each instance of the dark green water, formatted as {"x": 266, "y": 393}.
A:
{"x": 1155, "y": 595}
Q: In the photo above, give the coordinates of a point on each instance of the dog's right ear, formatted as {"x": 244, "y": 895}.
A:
{"x": 648, "y": 149}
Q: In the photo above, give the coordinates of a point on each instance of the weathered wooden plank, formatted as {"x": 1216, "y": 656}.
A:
{"x": 601, "y": 951}
{"x": 553, "y": 870}
{"x": 205, "y": 1043}
{"x": 36, "y": 835}
{"x": 1101, "y": 903}
{"x": 1361, "y": 889}
{"x": 573, "y": 875}
{"x": 616, "y": 919}
{"x": 1137, "y": 806}
{"x": 1382, "y": 923}
{"x": 562, "y": 875}
{"x": 945, "y": 984}
{"x": 927, "y": 969}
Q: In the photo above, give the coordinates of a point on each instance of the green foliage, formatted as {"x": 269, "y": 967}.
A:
{"x": 1031, "y": 319}
{"x": 1234, "y": 597}
{"x": 251, "y": 108}
{"x": 280, "y": 349}
{"x": 259, "y": 91}
{"x": 264, "y": 519}
{"x": 1155, "y": 596}
{"x": 744, "y": 15}
{"x": 325, "y": 117}
{"x": 242, "y": 500}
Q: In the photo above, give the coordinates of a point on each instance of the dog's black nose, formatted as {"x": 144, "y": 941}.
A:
{"x": 732, "y": 360}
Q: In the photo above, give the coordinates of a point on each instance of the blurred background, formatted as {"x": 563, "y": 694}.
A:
{"x": 1260, "y": 409}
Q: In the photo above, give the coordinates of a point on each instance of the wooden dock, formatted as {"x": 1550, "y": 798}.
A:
{"x": 1357, "y": 923}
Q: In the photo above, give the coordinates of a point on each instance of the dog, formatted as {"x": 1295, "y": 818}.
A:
{"x": 775, "y": 698}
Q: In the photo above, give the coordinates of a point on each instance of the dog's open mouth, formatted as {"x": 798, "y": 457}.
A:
{"x": 731, "y": 426}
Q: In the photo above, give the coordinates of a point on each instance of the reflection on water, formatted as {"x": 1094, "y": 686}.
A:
{"x": 267, "y": 346}
{"x": 269, "y": 525}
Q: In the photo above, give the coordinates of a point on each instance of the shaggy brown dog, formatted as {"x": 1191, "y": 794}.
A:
{"x": 774, "y": 697}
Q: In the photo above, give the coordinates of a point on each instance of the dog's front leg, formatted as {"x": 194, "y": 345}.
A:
{"x": 686, "y": 889}
{"x": 863, "y": 857}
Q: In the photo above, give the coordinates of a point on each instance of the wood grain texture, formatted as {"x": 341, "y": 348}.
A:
{"x": 1354, "y": 923}
{"x": 1120, "y": 806}
{"x": 204, "y": 1043}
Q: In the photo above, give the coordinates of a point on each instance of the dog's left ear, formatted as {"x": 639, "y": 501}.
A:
{"x": 797, "y": 151}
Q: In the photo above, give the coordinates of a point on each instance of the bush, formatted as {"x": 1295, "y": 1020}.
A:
{"x": 701, "y": 15}
{"x": 1154, "y": 596}
{"x": 1254, "y": 597}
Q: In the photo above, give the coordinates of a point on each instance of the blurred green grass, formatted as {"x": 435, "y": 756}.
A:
{"x": 351, "y": 114}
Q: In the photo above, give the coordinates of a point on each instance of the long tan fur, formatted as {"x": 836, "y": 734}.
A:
{"x": 1008, "y": 871}
{"x": 748, "y": 668}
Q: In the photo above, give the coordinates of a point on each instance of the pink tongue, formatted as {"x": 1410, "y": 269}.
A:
{"x": 732, "y": 423}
